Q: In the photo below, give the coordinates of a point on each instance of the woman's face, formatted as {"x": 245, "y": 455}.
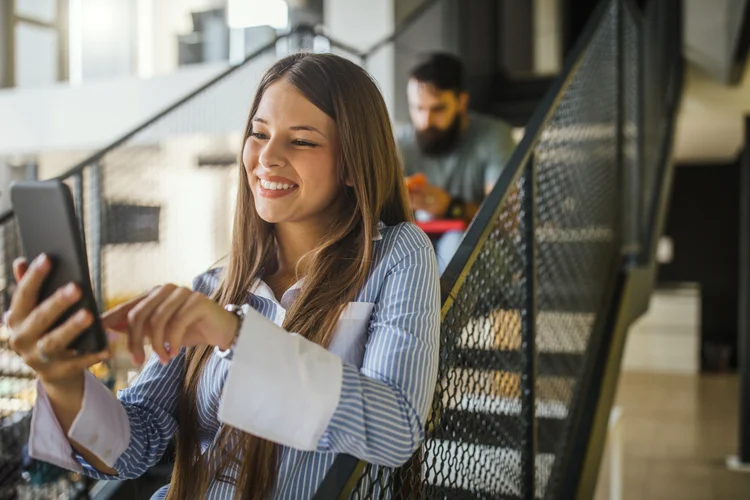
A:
{"x": 290, "y": 159}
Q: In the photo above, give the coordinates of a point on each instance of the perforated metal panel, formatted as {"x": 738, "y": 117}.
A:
{"x": 579, "y": 231}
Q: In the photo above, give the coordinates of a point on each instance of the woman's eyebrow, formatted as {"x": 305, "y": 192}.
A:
{"x": 308, "y": 128}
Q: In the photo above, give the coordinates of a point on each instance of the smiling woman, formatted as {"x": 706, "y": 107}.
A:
{"x": 322, "y": 247}
{"x": 292, "y": 154}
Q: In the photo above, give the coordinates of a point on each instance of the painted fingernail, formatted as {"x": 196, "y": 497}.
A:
{"x": 71, "y": 290}
{"x": 41, "y": 261}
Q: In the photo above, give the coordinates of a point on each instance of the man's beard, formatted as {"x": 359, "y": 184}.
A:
{"x": 434, "y": 142}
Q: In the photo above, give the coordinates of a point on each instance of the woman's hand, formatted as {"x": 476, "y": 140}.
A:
{"x": 43, "y": 348}
{"x": 173, "y": 317}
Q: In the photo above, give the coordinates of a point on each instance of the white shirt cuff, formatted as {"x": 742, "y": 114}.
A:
{"x": 102, "y": 425}
{"x": 280, "y": 387}
{"x": 47, "y": 441}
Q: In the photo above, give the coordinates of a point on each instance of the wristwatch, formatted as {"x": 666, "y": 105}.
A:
{"x": 240, "y": 311}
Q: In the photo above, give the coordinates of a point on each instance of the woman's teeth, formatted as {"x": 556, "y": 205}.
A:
{"x": 275, "y": 185}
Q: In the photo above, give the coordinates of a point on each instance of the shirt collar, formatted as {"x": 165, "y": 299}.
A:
{"x": 261, "y": 289}
{"x": 378, "y": 227}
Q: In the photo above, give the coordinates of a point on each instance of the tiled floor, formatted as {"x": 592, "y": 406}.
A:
{"x": 678, "y": 431}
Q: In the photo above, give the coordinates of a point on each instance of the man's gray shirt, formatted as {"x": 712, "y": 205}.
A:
{"x": 477, "y": 161}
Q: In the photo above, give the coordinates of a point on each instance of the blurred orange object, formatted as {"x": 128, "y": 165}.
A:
{"x": 416, "y": 180}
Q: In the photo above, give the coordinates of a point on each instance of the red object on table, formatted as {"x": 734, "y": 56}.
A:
{"x": 442, "y": 226}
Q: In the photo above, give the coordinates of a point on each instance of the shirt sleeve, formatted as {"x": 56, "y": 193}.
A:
{"x": 101, "y": 426}
{"x": 280, "y": 386}
{"x": 129, "y": 435}
{"x": 151, "y": 407}
{"x": 383, "y": 407}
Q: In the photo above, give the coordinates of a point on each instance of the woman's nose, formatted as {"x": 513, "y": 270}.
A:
{"x": 272, "y": 155}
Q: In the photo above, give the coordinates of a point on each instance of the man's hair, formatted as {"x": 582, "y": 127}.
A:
{"x": 444, "y": 71}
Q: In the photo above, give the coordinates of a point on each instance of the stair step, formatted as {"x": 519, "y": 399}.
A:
{"x": 455, "y": 470}
{"x": 445, "y": 492}
{"x": 493, "y": 429}
{"x": 549, "y": 364}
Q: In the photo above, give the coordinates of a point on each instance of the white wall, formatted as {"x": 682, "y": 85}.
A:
{"x": 89, "y": 116}
{"x": 547, "y": 37}
{"x": 36, "y": 55}
{"x": 711, "y": 30}
{"x": 361, "y": 23}
{"x": 667, "y": 338}
{"x": 710, "y": 123}
{"x": 106, "y": 39}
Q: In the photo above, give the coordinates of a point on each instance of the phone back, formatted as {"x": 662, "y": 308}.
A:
{"x": 47, "y": 223}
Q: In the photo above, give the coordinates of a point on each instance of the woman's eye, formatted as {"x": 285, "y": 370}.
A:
{"x": 304, "y": 143}
{"x": 259, "y": 135}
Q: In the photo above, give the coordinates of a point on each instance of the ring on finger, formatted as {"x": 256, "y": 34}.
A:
{"x": 43, "y": 356}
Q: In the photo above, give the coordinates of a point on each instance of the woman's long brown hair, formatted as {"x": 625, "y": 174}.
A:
{"x": 338, "y": 267}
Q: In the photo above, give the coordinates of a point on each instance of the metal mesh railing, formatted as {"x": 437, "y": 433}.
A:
{"x": 528, "y": 293}
{"x": 523, "y": 296}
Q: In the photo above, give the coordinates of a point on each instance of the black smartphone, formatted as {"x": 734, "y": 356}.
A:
{"x": 47, "y": 223}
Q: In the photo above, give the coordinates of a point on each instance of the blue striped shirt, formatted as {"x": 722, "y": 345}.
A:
{"x": 383, "y": 404}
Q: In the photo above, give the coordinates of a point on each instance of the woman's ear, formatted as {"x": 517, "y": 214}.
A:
{"x": 348, "y": 181}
